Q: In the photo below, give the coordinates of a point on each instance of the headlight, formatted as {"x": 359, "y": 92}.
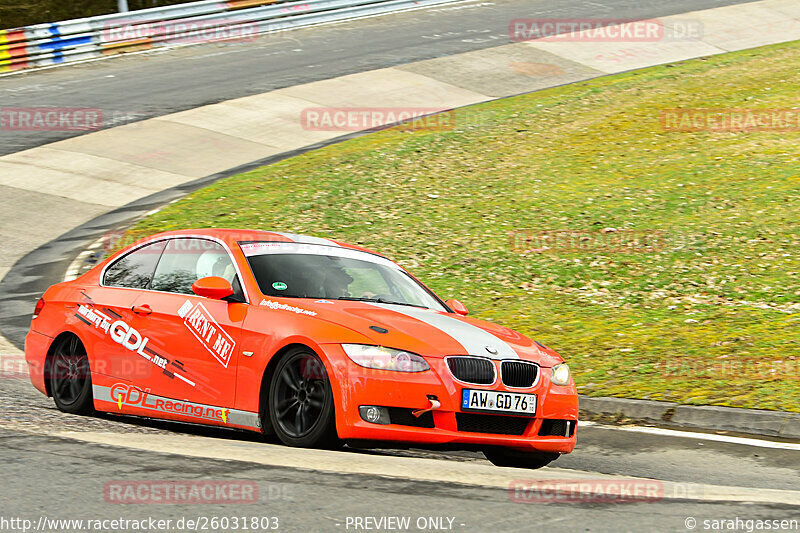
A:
{"x": 383, "y": 358}
{"x": 560, "y": 375}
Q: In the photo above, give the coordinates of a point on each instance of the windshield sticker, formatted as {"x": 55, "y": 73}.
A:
{"x": 280, "y": 286}
{"x": 285, "y": 307}
{"x": 251, "y": 249}
{"x": 255, "y": 248}
{"x": 210, "y": 334}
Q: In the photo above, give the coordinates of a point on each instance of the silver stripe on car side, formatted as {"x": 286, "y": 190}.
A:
{"x": 235, "y": 416}
{"x": 475, "y": 340}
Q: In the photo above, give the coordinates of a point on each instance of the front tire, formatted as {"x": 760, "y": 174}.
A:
{"x": 301, "y": 406}
{"x": 70, "y": 377}
{"x": 519, "y": 459}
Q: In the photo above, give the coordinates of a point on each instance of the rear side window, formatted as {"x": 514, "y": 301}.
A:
{"x": 134, "y": 270}
{"x": 186, "y": 260}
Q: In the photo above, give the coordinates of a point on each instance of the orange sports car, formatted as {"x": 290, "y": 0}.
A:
{"x": 311, "y": 340}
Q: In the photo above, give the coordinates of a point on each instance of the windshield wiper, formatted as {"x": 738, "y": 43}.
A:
{"x": 377, "y": 300}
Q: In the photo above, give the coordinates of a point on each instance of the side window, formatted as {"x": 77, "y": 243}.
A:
{"x": 186, "y": 260}
{"x": 134, "y": 270}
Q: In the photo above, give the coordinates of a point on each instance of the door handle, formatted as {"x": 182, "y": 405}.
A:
{"x": 142, "y": 309}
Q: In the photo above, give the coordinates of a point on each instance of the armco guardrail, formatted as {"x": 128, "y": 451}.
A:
{"x": 93, "y": 37}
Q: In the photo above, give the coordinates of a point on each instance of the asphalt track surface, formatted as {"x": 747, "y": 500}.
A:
{"x": 64, "y": 479}
{"x": 143, "y": 86}
{"x": 305, "y": 501}
{"x": 47, "y": 475}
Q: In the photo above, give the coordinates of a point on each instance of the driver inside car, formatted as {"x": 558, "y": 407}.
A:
{"x": 336, "y": 282}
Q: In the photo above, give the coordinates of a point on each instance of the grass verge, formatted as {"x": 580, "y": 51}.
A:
{"x": 661, "y": 264}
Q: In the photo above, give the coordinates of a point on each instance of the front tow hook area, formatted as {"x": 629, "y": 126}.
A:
{"x": 434, "y": 400}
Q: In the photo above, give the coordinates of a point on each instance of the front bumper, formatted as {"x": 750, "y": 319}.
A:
{"x": 355, "y": 386}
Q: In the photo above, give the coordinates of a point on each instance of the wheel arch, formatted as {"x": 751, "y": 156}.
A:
{"x": 66, "y": 334}
{"x": 269, "y": 370}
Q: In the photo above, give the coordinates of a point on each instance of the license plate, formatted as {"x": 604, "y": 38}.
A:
{"x": 498, "y": 402}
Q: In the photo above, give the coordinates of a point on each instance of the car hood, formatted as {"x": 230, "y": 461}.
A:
{"x": 432, "y": 333}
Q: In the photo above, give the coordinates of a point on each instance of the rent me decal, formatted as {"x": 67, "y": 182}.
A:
{"x": 210, "y": 334}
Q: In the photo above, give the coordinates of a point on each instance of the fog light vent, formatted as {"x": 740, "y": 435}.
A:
{"x": 374, "y": 414}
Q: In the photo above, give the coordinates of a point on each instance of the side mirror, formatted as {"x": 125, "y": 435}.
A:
{"x": 213, "y": 287}
{"x": 458, "y": 307}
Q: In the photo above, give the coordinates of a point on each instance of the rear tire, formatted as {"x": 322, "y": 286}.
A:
{"x": 518, "y": 459}
{"x": 70, "y": 377}
{"x": 301, "y": 407}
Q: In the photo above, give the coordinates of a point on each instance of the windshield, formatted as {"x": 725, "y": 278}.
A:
{"x": 358, "y": 276}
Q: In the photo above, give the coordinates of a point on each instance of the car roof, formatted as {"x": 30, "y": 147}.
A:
{"x": 233, "y": 236}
